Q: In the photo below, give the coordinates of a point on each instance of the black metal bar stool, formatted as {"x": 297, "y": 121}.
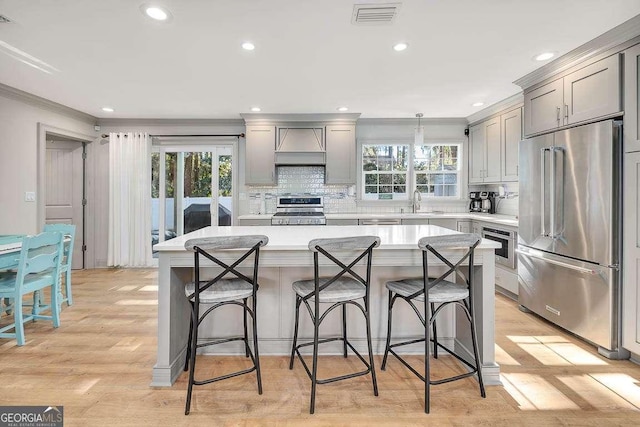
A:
{"x": 339, "y": 291}
{"x": 219, "y": 292}
{"x": 432, "y": 291}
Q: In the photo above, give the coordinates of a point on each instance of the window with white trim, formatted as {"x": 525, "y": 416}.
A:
{"x": 394, "y": 171}
{"x": 437, "y": 169}
{"x": 385, "y": 171}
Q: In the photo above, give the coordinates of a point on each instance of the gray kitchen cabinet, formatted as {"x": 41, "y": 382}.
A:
{"x": 476, "y": 153}
{"x": 631, "y": 99}
{"x": 511, "y": 126}
{"x": 506, "y": 279}
{"x": 477, "y": 228}
{"x": 341, "y": 154}
{"x": 484, "y": 152}
{"x": 450, "y": 223}
{"x": 256, "y": 221}
{"x": 260, "y": 144}
{"x": 415, "y": 221}
{"x": 342, "y": 222}
{"x": 592, "y": 91}
{"x": 542, "y": 108}
{"x": 631, "y": 254}
{"x": 464, "y": 226}
{"x": 585, "y": 94}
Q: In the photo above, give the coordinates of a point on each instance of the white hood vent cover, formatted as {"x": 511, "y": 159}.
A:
{"x": 375, "y": 13}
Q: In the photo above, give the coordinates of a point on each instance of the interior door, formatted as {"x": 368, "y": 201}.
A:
{"x": 64, "y": 190}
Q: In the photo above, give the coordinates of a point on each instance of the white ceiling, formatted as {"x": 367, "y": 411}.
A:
{"x": 309, "y": 58}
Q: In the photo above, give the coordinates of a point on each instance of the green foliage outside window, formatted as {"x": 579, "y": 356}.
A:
{"x": 197, "y": 174}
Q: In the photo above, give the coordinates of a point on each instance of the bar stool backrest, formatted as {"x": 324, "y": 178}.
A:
{"x": 436, "y": 244}
{"x": 364, "y": 244}
{"x": 202, "y": 247}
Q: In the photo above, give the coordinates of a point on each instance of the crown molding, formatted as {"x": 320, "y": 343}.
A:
{"x": 259, "y": 118}
{"x": 511, "y": 102}
{"x": 114, "y": 122}
{"x": 37, "y": 101}
{"x": 401, "y": 121}
{"x": 598, "y": 46}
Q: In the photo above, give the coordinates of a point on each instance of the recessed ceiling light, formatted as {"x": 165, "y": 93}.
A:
{"x": 255, "y": 109}
{"x": 155, "y": 12}
{"x": 477, "y": 104}
{"x": 399, "y": 47}
{"x": 248, "y": 46}
{"x": 342, "y": 108}
{"x": 544, "y": 56}
{"x": 107, "y": 109}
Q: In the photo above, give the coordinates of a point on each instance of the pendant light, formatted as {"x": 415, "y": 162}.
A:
{"x": 419, "y": 132}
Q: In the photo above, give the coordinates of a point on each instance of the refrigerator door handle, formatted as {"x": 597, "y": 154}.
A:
{"x": 543, "y": 229}
{"x": 552, "y": 195}
{"x": 558, "y": 263}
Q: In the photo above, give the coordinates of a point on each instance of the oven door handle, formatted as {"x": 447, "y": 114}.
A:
{"x": 497, "y": 236}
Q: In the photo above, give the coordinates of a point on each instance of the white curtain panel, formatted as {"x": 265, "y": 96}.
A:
{"x": 129, "y": 200}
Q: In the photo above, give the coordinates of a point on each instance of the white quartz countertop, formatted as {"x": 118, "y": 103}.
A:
{"x": 297, "y": 237}
{"x": 491, "y": 218}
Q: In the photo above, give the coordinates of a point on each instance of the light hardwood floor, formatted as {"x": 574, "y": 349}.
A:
{"x": 98, "y": 366}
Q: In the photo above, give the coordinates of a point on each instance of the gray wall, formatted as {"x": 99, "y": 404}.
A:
{"x": 20, "y": 115}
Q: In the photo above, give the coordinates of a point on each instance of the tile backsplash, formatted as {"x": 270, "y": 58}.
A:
{"x": 337, "y": 198}
{"x": 300, "y": 180}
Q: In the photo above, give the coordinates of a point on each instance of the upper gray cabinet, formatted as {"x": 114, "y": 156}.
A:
{"x": 631, "y": 99}
{"x": 542, "y": 108}
{"x": 583, "y": 95}
{"x": 476, "y": 154}
{"x": 511, "y": 126}
{"x": 260, "y": 144}
{"x": 341, "y": 154}
{"x": 484, "y": 152}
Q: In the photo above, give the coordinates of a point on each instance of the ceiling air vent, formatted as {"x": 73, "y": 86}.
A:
{"x": 4, "y": 19}
{"x": 374, "y": 13}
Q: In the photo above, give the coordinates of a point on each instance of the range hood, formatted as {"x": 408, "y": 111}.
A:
{"x": 300, "y": 146}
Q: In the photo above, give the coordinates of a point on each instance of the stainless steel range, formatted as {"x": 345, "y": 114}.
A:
{"x": 299, "y": 210}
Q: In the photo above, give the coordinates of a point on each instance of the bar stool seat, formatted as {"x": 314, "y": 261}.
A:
{"x": 224, "y": 290}
{"x": 444, "y": 291}
{"x": 343, "y": 289}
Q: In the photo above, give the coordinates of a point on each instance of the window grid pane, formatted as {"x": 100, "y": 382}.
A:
{"x": 385, "y": 171}
{"x": 437, "y": 170}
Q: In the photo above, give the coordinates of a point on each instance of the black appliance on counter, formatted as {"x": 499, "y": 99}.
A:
{"x": 476, "y": 202}
{"x": 488, "y": 202}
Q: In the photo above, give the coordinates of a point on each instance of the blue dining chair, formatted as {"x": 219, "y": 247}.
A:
{"x": 38, "y": 269}
{"x": 69, "y": 233}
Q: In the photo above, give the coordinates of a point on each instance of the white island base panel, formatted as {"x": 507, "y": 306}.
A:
{"x": 286, "y": 259}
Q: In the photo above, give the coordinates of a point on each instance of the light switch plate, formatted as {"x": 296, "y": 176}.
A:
{"x": 30, "y": 196}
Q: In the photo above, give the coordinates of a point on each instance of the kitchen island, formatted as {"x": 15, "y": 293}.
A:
{"x": 287, "y": 258}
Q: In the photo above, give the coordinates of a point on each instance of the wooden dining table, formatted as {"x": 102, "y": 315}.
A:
{"x": 10, "y": 246}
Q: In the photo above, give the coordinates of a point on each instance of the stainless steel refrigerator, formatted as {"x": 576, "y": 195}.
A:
{"x": 569, "y": 231}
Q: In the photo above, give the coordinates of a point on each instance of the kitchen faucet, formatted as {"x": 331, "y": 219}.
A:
{"x": 417, "y": 198}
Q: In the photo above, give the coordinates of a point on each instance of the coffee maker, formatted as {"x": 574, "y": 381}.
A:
{"x": 476, "y": 202}
{"x": 488, "y": 202}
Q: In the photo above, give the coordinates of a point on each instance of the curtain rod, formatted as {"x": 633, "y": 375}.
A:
{"x": 239, "y": 135}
